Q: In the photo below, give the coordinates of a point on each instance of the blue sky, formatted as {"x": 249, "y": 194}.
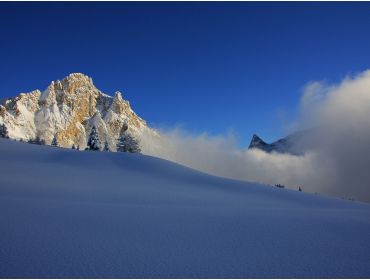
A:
{"x": 210, "y": 67}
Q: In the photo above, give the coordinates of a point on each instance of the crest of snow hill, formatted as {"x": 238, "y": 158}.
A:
{"x": 70, "y": 113}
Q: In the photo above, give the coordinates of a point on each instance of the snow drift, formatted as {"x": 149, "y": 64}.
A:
{"x": 68, "y": 213}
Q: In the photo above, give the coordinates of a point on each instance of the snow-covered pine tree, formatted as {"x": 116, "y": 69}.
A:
{"x": 93, "y": 144}
{"x": 127, "y": 143}
{"x": 106, "y": 147}
{"x": 121, "y": 146}
{"x": 54, "y": 142}
{"x": 4, "y": 131}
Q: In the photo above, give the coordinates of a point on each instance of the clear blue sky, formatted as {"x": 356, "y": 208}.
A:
{"x": 208, "y": 66}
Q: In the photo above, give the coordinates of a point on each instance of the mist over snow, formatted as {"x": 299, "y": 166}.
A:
{"x": 336, "y": 164}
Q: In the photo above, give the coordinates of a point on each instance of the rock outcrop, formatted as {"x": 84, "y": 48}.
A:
{"x": 297, "y": 143}
{"x": 67, "y": 110}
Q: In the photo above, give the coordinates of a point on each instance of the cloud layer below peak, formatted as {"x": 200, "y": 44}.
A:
{"x": 337, "y": 163}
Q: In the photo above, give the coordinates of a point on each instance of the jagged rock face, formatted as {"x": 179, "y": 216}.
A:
{"x": 68, "y": 109}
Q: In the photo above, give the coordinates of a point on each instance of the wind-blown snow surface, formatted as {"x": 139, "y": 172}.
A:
{"x": 68, "y": 213}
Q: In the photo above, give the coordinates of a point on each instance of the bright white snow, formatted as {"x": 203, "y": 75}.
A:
{"x": 68, "y": 213}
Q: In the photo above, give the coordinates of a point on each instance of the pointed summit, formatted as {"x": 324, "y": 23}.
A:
{"x": 296, "y": 144}
{"x": 119, "y": 105}
{"x": 118, "y": 95}
{"x": 257, "y": 142}
{"x": 78, "y": 76}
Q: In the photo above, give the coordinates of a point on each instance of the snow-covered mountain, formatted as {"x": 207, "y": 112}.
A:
{"x": 67, "y": 110}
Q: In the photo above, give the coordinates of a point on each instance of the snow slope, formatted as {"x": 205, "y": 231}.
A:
{"x": 68, "y": 213}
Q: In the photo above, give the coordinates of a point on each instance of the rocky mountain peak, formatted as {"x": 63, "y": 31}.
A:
{"x": 67, "y": 109}
{"x": 296, "y": 143}
{"x": 77, "y": 79}
{"x": 256, "y": 142}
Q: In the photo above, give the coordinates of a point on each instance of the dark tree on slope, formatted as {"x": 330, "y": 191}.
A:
{"x": 40, "y": 141}
{"x": 37, "y": 141}
{"x": 93, "y": 144}
{"x": 127, "y": 143}
{"x": 4, "y": 131}
{"x": 73, "y": 147}
{"x": 106, "y": 147}
{"x": 54, "y": 142}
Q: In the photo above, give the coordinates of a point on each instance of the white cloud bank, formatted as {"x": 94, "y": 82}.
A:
{"x": 338, "y": 164}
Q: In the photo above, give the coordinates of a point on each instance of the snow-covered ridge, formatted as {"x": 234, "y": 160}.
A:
{"x": 296, "y": 143}
{"x": 67, "y": 110}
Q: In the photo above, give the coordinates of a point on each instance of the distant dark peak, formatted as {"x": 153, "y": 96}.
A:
{"x": 257, "y": 142}
{"x": 296, "y": 144}
{"x": 256, "y": 138}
